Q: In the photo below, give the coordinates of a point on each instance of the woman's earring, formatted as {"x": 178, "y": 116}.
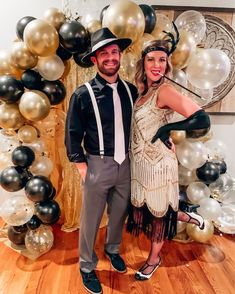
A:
{"x": 144, "y": 78}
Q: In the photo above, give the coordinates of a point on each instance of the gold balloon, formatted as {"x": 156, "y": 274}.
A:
{"x": 27, "y": 134}
{"x": 6, "y": 67}
{"x": 21, "y": 56}
{"x": 125, "y": 19}
{"x": 54, "y": 16}
{"x": 178, "y": 136}
{"x": 41, "y": 38}
{"x": 200, "y": 235}
{"x": 10, "y": 116}
{"x": 34, "y": 105}
{"x": 162, "y": 24}
{"x": 128, "y": 65}
{"x": 93, "y": 26}
{"x": 185, "y": 48}
{"x": 138, "y": 46}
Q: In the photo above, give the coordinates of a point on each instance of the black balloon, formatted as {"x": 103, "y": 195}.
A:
{"x": 222, "y": 166}
{"x": 20, "y": 229}
{"x": 103, "y": 12}
{"x": 31, "y": 80}
{"x": 63, "y": 53}
{"x": 197, "y": 133}
{"x": 73, "y": 37}
{"x": 55, "y": 91}
{"x": 14, "y": 178}
{"x": 16, "y": 237}
{"x": 48, "y": 211}
{"x": 53, "y": 194}
{"x": 208, "y": 173}
{"x": 150, "y": 17}
{"x": 78, "y": 59}
{"x": 38, "y": 188}
{"x": 10, "y": 89}
{"x": 33, "y": 223}
{"x": 22, "y": 156}
{"x": 21, "y": 24}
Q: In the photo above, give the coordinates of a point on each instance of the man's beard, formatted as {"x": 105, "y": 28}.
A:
{"x": 108, "y": 72}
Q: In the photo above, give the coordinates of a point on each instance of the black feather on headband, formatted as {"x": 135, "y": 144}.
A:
{"x": 170, "y": 39}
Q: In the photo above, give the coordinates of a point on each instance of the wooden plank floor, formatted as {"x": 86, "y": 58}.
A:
{"x": 186, "y": 268}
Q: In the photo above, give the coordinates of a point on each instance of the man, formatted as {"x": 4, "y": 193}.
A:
{"x": 100, "y": 115}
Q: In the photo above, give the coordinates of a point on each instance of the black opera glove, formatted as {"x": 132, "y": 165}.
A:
{"x": 198, "y": 120}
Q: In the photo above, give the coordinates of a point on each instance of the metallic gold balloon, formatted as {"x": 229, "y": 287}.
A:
{"x": 54, "y": 16}
{"x": 138, "y": 46}
{"x": 177, "y": 136}
{"x": 185, "y": 48}
{"x": 198, "y": 235}
{"x": 125, "y": 19}
{"x": 10, "y": 116}
{"x": 6, "y": 67}
{"x": 27, "y": 134}
{"x": 21, "y": 56}
{"x": 41, "y": 38}
{"x": 128, "y": 65}
{"x": 34, "y": 105}
{"x": 162, "y": 24}
{"x": 93, "y": 26}
{"x": 51, "y": 67}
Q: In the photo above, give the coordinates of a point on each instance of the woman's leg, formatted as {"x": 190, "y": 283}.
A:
{"x": 191, "y": 217}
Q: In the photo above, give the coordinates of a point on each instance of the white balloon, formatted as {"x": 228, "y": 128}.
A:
{"x": 209, "y": 208}
{"x": 191, "y": 155}
{"x": 208, "y": 68}
{"x": 226, "y": 221}
{"x": 186, "y": 176}
{"x": 216, "y": 150}
{"x": 194, "y": 22}
{"x": 17, "y": 210}
{"x": 8, "y": 141}
{"x": 221, "y": 187}
{"x": 197, "y": 191}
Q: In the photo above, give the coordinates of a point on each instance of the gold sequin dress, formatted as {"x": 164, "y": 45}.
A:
{"x": 154, "y": 172}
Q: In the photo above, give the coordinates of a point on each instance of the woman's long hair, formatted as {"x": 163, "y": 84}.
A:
{"x": 140, "y": 77}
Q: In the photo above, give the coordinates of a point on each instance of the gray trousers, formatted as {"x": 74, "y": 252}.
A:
{"x": 106, "y": 182}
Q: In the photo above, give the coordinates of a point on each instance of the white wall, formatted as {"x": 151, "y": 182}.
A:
{"x": 13, "y": 10}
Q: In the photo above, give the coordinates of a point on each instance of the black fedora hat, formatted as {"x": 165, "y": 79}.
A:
{"x": 102, "y": 38}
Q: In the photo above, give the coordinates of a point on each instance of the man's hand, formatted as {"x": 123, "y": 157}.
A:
{"x": 82, "y": 168}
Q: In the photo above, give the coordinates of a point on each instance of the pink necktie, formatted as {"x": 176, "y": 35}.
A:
{"x": 119, "y": 140}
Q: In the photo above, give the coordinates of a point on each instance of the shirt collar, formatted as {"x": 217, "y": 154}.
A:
{"x": 101, "y": 82}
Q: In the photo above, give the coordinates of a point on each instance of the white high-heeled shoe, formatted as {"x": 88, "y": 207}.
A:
{"x": 140, "y": 276}
{"x": 196, "y": 217}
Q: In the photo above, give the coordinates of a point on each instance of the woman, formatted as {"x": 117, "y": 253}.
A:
{"x": 154, "y": 166}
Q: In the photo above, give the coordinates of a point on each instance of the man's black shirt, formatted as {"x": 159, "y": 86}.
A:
{"x": 81, "y": 122}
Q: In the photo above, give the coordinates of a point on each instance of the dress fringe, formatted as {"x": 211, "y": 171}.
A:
{"x": 157, "y": 229}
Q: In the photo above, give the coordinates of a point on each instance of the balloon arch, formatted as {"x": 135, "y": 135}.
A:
{"x": 34, "y": 79}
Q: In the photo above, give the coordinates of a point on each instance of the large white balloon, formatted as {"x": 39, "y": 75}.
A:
{"x": 191, "y": 154}
{"x": 208, "y": 68}
{"x": 197, "y": 191}
{"x": 216, "y": 150}
{"x": 17, "y": 210}
{"x": 210, "y": 209}
{"x": 194, "y": 22}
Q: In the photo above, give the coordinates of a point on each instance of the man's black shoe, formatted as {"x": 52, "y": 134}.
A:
{"x": 117, "y": 262}
{"x": 91, "y": 282}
